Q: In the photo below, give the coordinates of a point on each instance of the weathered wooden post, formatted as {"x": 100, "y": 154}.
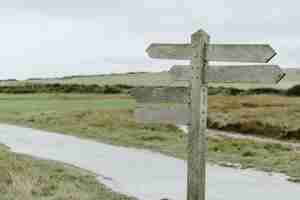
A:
{"x": 199, "y": 52}
{"x": 198, "y": 109}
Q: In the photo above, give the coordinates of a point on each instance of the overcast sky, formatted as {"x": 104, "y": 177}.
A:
{"x": 65, "y": 37}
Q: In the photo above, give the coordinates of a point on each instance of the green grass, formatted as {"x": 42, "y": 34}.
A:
{"x": 64, "y": 102}
{"x": 110, "y": 119}
{"x": 262, "y": 156}
{"x": 25, "y": 178}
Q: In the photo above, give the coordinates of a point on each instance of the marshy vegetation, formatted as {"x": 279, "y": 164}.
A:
{"x": 109, "y": 118}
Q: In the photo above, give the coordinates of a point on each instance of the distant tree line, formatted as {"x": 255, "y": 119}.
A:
{"x": 65, "y": 88}
{"x": 82, "y": 76}
{"x": 122, "y": 88}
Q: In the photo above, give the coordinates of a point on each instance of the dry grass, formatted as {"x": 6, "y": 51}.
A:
{"x": 265, "y": 115}
{"x": 25, "y": 178}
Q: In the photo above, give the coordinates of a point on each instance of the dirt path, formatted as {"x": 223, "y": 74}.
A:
{"x": 144, "y": 174}
{"x": 217, "y": 133}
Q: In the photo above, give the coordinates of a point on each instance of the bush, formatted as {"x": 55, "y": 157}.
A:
{"x": 225, "y": 91}
{"x": 112, "y": 89}
{"x": 264, "y": 91}
{"x": 293, "y": 91}
{"x": 248, "y": 153}
{"x": 123, "y": 86}
{"x": 234, "y": 91}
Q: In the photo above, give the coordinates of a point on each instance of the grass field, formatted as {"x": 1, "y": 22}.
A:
{"x": 154, "y": 79}
{"x": 109, "y": 118}
{"x": 25, "y": 178}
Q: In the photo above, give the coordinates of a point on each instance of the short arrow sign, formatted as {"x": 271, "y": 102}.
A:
{"x": 267, "y": 74}
{"x": 173, "y": 114}
{"x": 260, "y": 53}
{"x": 180, "y": 95}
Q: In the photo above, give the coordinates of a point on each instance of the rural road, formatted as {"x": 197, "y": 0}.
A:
{"x": 143, "y": 174}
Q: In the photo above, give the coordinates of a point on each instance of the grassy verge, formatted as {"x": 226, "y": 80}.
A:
{"x": 109, "y": 119}
{"x": 25, "y": 178}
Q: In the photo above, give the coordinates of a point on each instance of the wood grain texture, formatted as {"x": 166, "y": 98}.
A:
{"x": 170, "y": 51}
{"x": 175, "y": 114}
{"x": 265, "y": 74}
{"x": 161, "y": 95}
{"x": 197, "y": 139}
{"x": 260, "y": 53}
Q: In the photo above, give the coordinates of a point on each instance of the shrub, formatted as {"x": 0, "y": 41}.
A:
{"x": 293, "y": 91}
{"x": 111, "y": 89}
{"x": 248, "y": 153}
{"x": 123, "y": 86}
{"x": 234, "y": 91}
{"x": 263, "y": 91}
{"x": 225, "y": 91}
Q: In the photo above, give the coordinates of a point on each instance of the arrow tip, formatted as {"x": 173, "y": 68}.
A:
{"x": 272, "y": 54}
{"x": 149, "y": 50}
{"x": 280, "y": 77}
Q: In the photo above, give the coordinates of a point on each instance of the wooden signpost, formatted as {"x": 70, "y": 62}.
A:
{"x": 191, "y": 103}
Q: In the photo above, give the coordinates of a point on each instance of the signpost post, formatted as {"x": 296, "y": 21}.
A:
{"x": 199, "y": 73}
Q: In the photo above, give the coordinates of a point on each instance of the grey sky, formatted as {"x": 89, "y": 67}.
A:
{"x": 64, "y": 37}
